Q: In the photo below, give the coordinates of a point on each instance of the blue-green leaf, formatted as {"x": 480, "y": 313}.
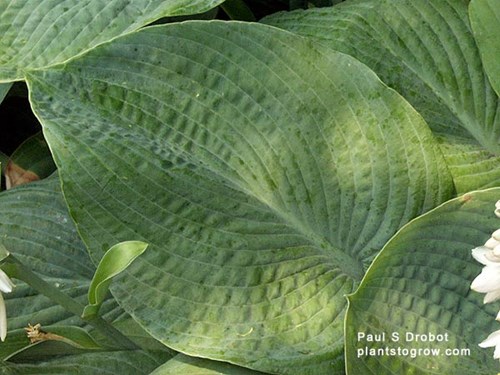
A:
{"x": 417, "y": 293}
{"x": 47, "y": 32}
{"x": 485, "y": 21}
{"x": 182, "y": 364}
{"x": 264, "y": 171}
{"x": 425, "y": 50}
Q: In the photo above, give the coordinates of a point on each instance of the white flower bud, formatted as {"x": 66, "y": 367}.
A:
{"x": 488, "y": 281}
{"x": 496, "y": 235}
{"x": 6, "y": 286}
{"x": 491, "y": 243}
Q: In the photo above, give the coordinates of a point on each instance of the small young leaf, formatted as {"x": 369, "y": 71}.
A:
{"x": 116, "y": 259}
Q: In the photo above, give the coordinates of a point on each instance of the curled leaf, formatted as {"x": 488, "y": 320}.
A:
{"x": 116, "y": 259}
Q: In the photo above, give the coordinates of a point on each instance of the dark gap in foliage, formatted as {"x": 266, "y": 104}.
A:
{"x": 18, "y": 121}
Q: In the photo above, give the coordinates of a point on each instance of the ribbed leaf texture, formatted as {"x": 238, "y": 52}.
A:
{"x": 264, "y": 171}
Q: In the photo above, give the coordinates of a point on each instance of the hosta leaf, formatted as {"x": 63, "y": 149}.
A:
{"x": 4, "y": 89}
{"x": 137, "y": 334}
{"x": 485, "y": 21}
{"x": 109, "y": 363}
{"x": 30, "y": 162}
{"x": 264, "y": 172}
{"x": 115, "y": 261}
{"x": 237, "y": 10}
{"x": 16, "y": 340}
{"x": 46, "y": 32}
{"x": 35, "y": 226}
{"x": 50, "y": 341}
{"x": 182, "y": 364}
{"x": 426, "y": 51}
{"x": 420, "y": 284}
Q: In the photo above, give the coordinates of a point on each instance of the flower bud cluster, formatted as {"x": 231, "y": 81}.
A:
{"x": 488, "y": 281}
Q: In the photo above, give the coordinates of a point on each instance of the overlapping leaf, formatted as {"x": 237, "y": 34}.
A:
{"x": 4, "y": 89}
{"x": 31, "y": 161}
{"x": 110, "y": 363}
{"x": 46, "y": 32}
{"x": 426, "y": 51}
{"x": 485, "y": 21}
{"x": 35, "y": 226}
{"x": 265, "y": 172}
{"x": 420, "y": 284}
{"x": 182, "y": 364}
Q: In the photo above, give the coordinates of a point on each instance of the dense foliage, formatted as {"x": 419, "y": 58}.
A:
{"x": 279, "y": 187}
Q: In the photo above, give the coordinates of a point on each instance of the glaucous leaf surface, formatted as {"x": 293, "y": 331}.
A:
{"x": 426, "y": 51}
{"x": 264, "y": 171}
{"x": 41, "y": 33}
{"x": 108, "y": 363}
{"x": 485, "y": 21}
{"x": 420, "y": 284}
{"x": 35, "y": 227}
{"x": 182, "y": 364}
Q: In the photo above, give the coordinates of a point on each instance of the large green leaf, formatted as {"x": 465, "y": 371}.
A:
{"x": 46, "y": 32}
{"x": 182, "y": 364}
{"x": 420, "y": 284}
{"x": 109, "y": 363}
{"x": 485, "y": 21}
{"x": 426, "y": 51}
{"x": 265, "y": 173}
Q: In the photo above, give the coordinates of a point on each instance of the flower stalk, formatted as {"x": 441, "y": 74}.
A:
{"x": 19, "y": 271}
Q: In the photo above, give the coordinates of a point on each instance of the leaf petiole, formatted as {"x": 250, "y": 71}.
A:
{"x": 18, "y": 270}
